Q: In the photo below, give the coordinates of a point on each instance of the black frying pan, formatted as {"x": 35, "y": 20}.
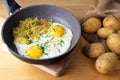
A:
{"x": 58, "y": 14}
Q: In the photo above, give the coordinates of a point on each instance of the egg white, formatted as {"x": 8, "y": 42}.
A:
{"x": 53, "y": 46}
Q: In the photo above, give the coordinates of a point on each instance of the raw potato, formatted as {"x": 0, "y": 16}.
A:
{"x": 91, "y": 25}
{"x": 106, "y": 62}
{"x": 104, "y": 32}
{"x": 113, "y": 42}
{"x": 111, "y": 22}
{"x": 94, "y": 50}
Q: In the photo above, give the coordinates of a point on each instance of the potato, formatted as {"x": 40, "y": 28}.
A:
{"x": 113, "y": 42}
{"x": 91, "y": 25}
{"x": 22, "y": 40}
{"x": 94, "y": 50}
{"x": 104, "y": 32}
{"x": 111, "y": 22}
{"x": 106, "y": 62}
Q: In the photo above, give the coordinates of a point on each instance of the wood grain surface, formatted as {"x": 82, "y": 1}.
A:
{"x": 80, "y": 67}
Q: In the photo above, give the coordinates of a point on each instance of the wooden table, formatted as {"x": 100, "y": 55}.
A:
{"x": 80, "y": 67}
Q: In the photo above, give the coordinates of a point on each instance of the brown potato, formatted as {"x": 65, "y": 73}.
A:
{"x": 111, "y": 22}
{"x": 91, "y": 25}
{"x": 104, "y": 32}
{"x": 106, "y": 62}
{"x": 113, "y": 42}
{"x": 94, "y": 50}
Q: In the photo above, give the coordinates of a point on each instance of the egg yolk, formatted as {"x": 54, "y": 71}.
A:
{"x": 57, "y": 31}
{"x": 34, "y": 51}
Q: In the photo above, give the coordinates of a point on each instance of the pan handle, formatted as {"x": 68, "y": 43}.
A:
{"x": 12, "y": 6}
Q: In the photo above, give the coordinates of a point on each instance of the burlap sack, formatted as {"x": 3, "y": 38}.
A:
{"x": 103, "y": 9}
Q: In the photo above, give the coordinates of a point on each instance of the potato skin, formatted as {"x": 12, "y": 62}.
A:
{"x": 91, "y": 25}
{"x": 104, "y": 32}
{"x": 111, "y": 22}
{"x": 106, "y": 62}
{"x": 113, "y": 42}
{"x": 94, "y": 50}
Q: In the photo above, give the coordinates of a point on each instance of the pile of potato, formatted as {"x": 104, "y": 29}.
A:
{"x": 108, "y": 29}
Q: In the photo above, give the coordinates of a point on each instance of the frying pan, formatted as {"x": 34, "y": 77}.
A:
{"x": 56, "y": 13}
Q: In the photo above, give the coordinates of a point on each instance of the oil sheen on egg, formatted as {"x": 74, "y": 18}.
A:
{"x": 54, "y": 43}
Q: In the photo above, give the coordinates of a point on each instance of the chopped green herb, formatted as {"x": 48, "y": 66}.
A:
{"x": 46, "y": 54}
{"x": 43, "y": 47}
{"x": 54, "y": 44}
{"x": 60, "y": 43}
{"x": 59, "y": 50}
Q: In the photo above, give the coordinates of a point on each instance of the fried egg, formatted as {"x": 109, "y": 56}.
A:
{"x": 57, "y": 30}
{"x": 55, "y": 42}
{"x": 34, "y": 51}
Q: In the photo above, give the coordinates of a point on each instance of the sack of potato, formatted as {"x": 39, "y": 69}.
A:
{"x": 101, "y": 28}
